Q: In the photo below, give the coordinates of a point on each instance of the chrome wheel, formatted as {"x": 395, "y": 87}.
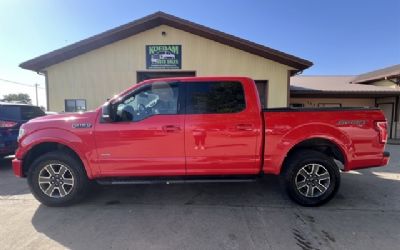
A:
{"x": 312, "y": 180}
{"x": 56, "y": 180}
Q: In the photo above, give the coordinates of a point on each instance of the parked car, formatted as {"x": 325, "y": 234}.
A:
{"x": 199, "y": 129}
{"x": 12, "y": 116}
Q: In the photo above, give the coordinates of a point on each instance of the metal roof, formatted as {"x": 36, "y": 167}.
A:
{"x": 388, "y": 72}
{"x": 322, "y": 85}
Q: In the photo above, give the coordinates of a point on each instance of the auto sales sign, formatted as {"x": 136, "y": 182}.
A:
{"x": 163, "y": 56}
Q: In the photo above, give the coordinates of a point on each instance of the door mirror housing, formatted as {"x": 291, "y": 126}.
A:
{"x": 107, "y": 113}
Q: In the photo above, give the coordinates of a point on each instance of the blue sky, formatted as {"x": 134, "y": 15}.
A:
{"x": 341, "y": 37}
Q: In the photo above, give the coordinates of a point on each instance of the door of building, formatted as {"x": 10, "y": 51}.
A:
{"x": 388, "y": 110}
{"x": 146, "y": 75}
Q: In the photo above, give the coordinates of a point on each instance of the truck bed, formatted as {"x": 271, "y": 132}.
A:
{"x": 351, "y": 130}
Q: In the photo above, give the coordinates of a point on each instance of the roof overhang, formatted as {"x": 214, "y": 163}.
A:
{"x": 342, "y": 94}
{"x": 160, "y": 18}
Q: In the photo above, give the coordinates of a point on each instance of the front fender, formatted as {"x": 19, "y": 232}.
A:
{"x": 282, "y": 141}
{"x": 81, "y": 146}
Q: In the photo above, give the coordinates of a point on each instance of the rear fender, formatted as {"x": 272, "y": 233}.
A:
{"x": 277, "y": 152}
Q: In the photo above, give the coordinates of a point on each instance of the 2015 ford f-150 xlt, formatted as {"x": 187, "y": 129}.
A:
{"x": 197, "y": 129}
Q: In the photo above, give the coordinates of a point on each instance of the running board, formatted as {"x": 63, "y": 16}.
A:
{"x": 134, "y": 181}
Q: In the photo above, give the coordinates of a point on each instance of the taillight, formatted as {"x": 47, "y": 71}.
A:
{"x": 7, "y": 124}
{"x": 381, "y": 126}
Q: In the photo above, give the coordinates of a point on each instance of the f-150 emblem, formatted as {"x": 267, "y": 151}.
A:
{"x": 82, "y": 125}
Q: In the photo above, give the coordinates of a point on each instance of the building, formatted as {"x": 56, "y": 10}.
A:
{"x": 379, "y": 88}
{"x": 83, "y": 75}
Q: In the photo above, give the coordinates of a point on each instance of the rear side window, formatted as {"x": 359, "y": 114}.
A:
{"x": 9, "y": 112}
{"x": 29, "y": 112}
{"x": 214, "y": 97}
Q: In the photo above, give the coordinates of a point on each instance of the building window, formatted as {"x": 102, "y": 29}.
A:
{"x": 297, "y": 105}
{"x": 75, "y": 105}
{"x": 262, "y": 86}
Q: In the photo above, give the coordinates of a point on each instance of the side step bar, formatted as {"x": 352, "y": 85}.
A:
{"x": 183, "y": 180}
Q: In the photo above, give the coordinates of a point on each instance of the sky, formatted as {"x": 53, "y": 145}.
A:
{"x": 341, "y": 37}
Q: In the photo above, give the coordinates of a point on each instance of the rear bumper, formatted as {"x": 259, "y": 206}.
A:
{"x": 17, "y": 168}
{"x": 376, "y": 161}
{"x": 386, "y": 158}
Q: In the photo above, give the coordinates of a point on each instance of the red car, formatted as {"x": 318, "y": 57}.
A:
{"x": 197, "y": 129}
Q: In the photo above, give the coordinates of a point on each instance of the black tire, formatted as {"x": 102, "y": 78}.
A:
{"x": 75, "y": 174}
{"x": 302, "y": 163}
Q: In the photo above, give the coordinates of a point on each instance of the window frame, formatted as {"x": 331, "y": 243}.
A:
{"x": 186, "y": 91}
{"x": 114, "y": 105}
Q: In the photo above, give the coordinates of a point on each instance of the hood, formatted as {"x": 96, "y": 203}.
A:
{"x": 66, "y": 121}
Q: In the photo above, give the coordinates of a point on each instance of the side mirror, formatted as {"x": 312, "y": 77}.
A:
{"x": 107, "y": 113}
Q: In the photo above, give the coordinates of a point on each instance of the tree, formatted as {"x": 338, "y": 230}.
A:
{"x": 20, "y": 98}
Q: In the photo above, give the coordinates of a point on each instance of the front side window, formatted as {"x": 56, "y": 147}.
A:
{"x": 214, "y": 97}
{"x": 75, "y": 105}
{"x": 155, "y": 99}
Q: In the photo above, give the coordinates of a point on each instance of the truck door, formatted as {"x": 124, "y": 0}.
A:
{"x": 147, "y": 137}
{"x": 222, "y": 128}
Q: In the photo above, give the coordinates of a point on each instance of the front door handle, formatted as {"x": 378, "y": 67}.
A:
{"x": 244, "y": 127}
{"x": 171, "y": 128}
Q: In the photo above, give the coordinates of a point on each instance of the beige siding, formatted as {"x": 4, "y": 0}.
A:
{"x": 346, "y": 102}
{"x": 106, "y": 71}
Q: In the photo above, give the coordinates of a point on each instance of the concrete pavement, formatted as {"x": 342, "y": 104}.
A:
{"x": 364, "y": 215}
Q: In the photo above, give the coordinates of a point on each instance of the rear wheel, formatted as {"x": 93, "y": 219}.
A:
{"x": 57, "y": 179}
{"x": 311, "y": 178}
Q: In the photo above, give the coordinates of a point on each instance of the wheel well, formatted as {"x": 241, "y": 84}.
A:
{"x": 324, "y": 146}
{"x": 43, "y": 148}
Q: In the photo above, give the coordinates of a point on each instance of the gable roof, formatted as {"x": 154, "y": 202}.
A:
{"x": 388, "y": 72}
{"x": 152, "y": 21}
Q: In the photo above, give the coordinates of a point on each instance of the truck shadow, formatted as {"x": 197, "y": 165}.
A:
{"x": 168, "y": 216}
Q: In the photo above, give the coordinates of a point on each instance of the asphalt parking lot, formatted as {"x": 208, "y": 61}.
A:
{"x": 364, "y": 215}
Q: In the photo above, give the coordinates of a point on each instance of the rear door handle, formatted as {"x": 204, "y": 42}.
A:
{"x": 244, "y": 127}
{"x": 171, "y": 128}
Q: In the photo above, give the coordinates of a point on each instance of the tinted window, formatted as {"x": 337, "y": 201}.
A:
{"x": 214, "y": 97}
{"x": 10, "y": 112}
{"x": 28, "y": 112}
{"x": 20, "y": 112}
{"x": 155, "y": 99}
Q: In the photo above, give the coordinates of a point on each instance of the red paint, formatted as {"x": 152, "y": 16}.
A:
{"x": 246, "y": 142}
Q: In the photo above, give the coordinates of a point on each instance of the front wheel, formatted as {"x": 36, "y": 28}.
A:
{"x": 57, "y": 179}
{"x": 311, "y": 178}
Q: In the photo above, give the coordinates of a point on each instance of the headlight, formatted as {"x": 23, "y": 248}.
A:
{"x": 21, "y": 133}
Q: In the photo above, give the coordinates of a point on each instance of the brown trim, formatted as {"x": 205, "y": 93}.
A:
{"x": 289, "y": 73}
{"x": 179, "y": 73}
{"x": 397, "y": 109}
{"x": 46, "y": 83}
{"x": 152, "y": 21}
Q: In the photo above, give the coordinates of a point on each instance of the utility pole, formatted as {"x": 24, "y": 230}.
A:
{"x": 37, "y": 98}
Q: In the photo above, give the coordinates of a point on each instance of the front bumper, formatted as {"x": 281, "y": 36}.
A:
{"x": 17, "y": 168}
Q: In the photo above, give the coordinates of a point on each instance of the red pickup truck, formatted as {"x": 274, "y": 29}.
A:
{"x": 198, "y": 129}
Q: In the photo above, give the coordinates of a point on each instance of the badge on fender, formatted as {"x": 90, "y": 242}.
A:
{"x": 82, "y": 125}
